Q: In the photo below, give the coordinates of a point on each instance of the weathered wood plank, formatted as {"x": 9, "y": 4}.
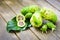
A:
{"x": 27, "y": 3}
{"x": 12, "y": 4}
{"x": 17, "y": 8}
{"x": 4, "y": 35}
{"x": 55, "y": 3}
{"x": 6, "y": 12}
{"x": 25, "y": 35}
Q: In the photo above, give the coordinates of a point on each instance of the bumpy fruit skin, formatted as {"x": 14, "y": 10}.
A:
{"x": 42, "y": 11}
{"x": 28, "y": 15}
{"x": 20, "y": 17}
{"x": 31, "y": 9}
{"x": 51, "y": 26}
{"x": 24, "y": 10}
{"x": 44, "y": 28}
{"x": 36, "y": 20}
{"x": 21, "y": 23}
{"x": 48, "y": 14}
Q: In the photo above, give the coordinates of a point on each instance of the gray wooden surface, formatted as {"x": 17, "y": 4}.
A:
{"x": 9, "y": 9}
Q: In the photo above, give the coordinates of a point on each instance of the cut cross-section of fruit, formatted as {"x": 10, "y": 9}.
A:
{"x": 21, "y": 23}
{"x": 20, "y": 17}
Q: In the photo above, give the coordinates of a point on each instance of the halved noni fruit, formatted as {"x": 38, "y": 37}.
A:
{"x": 21, "y": 23}
{"x": 20, "y": 17}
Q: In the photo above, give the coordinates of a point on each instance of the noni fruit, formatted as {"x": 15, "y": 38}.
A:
{"x": 20, "y": 17}
{"x": 44, "y": 28}
{"x": 36, "y": 19}
{"x": 31, "y": 9}
{"x": 51, "y": 26}
{"x": 48, "y": 14}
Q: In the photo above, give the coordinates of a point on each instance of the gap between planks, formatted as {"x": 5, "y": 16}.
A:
{"x": 54, "y": 3}
{"x": 6, "y": 22}
{"x": 5, "y": 35}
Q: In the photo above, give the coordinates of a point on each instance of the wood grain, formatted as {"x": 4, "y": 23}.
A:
{"x": 55, "y": 3}
{"x": 14, "y": 5}
{"x": 4, "y": 35}
{"x": 6, "y": 12}
{"x": 27, "y": 35}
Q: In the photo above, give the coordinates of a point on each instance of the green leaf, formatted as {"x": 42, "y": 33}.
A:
{"x": 13, "y": 27}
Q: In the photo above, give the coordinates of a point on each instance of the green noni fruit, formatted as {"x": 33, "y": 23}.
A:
{"x": 28, "y": 15}
{"x": 51, "y": 26}
{"x": 20, "y": 17}
{"x": 44, "y": 28}
{"x": 36, "y": 19}
{"x": 48, "y": 14}
{"x": 31, "y": 9}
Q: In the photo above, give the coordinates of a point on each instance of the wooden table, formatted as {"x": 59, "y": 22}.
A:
{"x": 9, "y": 8}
